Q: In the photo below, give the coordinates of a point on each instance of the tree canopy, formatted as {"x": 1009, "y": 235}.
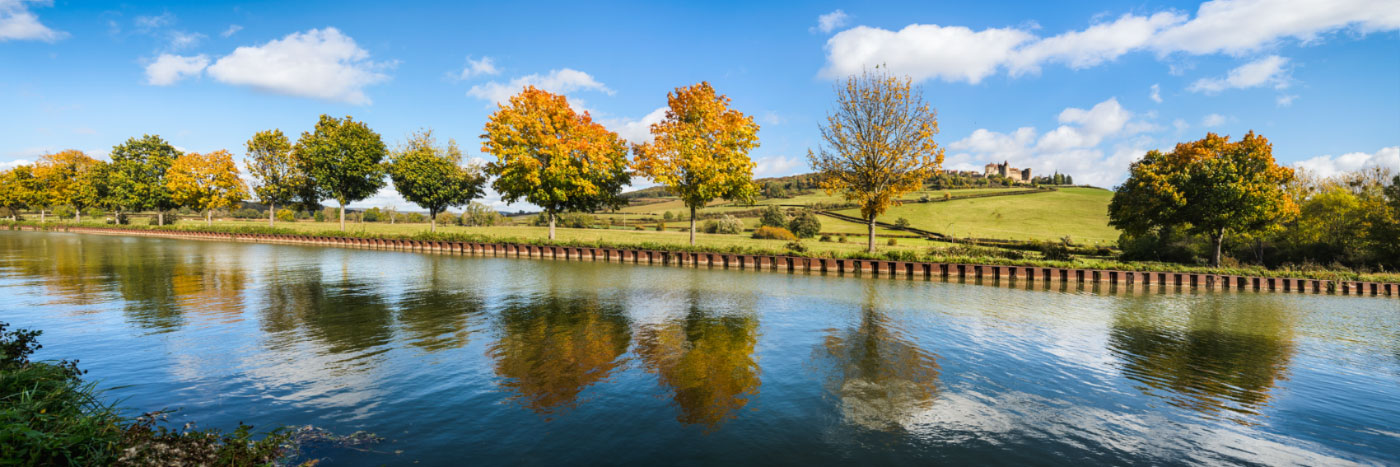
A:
{"x": 137, "y": 177}
{"x": 342, "y": 159}
{"x": 878, "y": 144}
{"x": 206, "y": 181}
{"x": 277, "y": 177}
{"x": 700, "y": 151}
{"x": 553, "y": 157}
{"x": 73, "y": 178}
{"x": 1210, "y": 187}
{"x": 432, "y": 176}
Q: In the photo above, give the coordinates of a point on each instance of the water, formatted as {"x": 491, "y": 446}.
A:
{"x": 508, "y": 361}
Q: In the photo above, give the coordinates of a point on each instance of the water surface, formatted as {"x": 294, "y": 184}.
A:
{"x": 514, "y": 361}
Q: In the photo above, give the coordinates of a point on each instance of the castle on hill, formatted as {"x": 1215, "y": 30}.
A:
{"x": 1005, "y": 169}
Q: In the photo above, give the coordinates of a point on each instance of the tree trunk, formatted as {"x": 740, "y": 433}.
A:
{"x": 160, "y": 218}
{"x": 342, "y": 215}
{"x": 692, "y": 226}
{"x": 432, "y": 222}
{"x": 209, "y": 217}
{"x": 551, "y": 224}
{"x": 78, "y": 217}
{"x": 1216, "y": 241}
{"x": 870, "y": 240}
{"x": 41, "y": 215}
{"x": 271, "y": 213}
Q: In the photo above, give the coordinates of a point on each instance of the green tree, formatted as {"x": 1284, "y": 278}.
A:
{"x": 700, "y": 151}
{"x": 552, "y": 157}
{"x": 137, "y": 177}
{"x": 277, "y": 177}
{"x": 15, "y": 186}
{"x": 1212, "y": 187}
{"x": 805, "y": 224}
{"x": 432, "y": 176}
{"x": 341, "y": 158}
{"x": 879, "y": 144}
{"x": 772, "y": 216}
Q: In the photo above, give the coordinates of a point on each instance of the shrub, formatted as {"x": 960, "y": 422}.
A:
{"x": 947, "y": 196}
{"x": 1055, "y": 251}
{"x": 724, "y": 225}
{"x": 64, "y": 212}
{"x": 415, "y": 218}
{"x": 446, "y": 218}
{"x": 891, "y": 242}
{"x": 94, "y": 212}
{"x": 286, "y": 215}
{"x": 667, "y": 216}
{"x": 477, "y": 214}
{"x": 773, "y": 233}
{"x": 796, "y": 247}
{"x": 660, "y": 226}
{"x": 901, "y": 223}
{"x": 772, "y": 216}
{"x": 320, "y": 216}
{"x": 805, "y": 224}
{"x": 841, "y": 239}
{"x": 371, "y": 215}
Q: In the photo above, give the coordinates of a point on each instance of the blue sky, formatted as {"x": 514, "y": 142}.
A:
{"x": 1080, "y": 87}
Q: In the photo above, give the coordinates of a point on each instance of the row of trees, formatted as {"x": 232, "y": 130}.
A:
{"x": 879, "y": 146}
{"x": 1220, "y": 190}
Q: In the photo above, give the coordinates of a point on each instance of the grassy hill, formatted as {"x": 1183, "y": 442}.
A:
{"x": 1081, "y": 213}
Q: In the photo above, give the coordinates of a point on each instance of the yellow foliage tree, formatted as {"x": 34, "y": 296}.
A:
{"x": 72, "y": 178}
{"x": 701, "y": 150}
{"x": 205, "y": 182}
{"x": 552, "y": 157}
{"x": 879, "y": 144}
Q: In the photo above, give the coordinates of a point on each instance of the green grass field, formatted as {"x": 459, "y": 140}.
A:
{"x": 1080, "y": 213}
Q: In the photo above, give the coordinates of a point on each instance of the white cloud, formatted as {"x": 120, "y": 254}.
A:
{"x": 484, "y": 66}
{"x": 561, "y": 81}
{"x": 1267, "y": 70}
{"x": 1156, "y": 94}
{"x": 182, "y": 40}
{"x": 1180, "y": 125}
{"x": 1285, "y": 100}
{"x": 1213, "y": 120}
{"x": 830, "y": 21}
{"x": 1095, "y": 145}
{"x": 1236, "y": 27}
{"x": 168, "y": 69}
{"x": 7, "y": 165}
{"x": 319, "y": 63}
{"x": 232, "y": 29}
{"x": 777, "y": 166}
{"x": 637, "y": 131}
{"x": 1327, "y": 166}
{"x": 149, "y": 23}
{"x": 18, "y": 23}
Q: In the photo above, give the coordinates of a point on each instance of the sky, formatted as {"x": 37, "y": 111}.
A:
{"x": 1083, "y": 88}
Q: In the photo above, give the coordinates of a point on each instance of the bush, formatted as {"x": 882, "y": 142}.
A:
{"x": 246, "y": 213}
{"x": 841, "y": 239}
{"x": 477, "y": 214}
{"x": 825, "y": 238}
{"x": 724, "y": 225}
{"x": 1055, "y": 251}
{"x": 446, "y": 218}
{"x": 805, "y": 224}
{"x": 667, "y": 216}
{"x": 94, "y": 212}
{"x": 660, "y": 226}
{"x": 286, "y": 215}
{"x": 371, "y": 215}
{"x": 7, "y": 213}
{"x": 891, "y": 242}
{"x": 772, "y": 216}
{"x": 901, "y": 223}
{"x": 320, "y": 216}
{"x": 773, "y": 233}
{"x": 415, "y": 218}
{"x": 64, "y": 212}
{"x": 796, "y": 247}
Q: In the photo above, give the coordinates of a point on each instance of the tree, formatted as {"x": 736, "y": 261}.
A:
{"x": 1212, "y": 187}
{"x": 772, "y": 216}
{"x": 74, "y": 179}
{"x": 879, "y": 144}
{"x": 700, "y": 151}
{"x": 15, "y": 189}
{"x": 432, "y": 176}
{"x": 341, "y": 158}
{"x": 277, "y": 177}
{"x": 137, "y": 177}
{"x": 552, "y": 157}
{"x": 805, "y": 224}
{"x": 205, "y": 182}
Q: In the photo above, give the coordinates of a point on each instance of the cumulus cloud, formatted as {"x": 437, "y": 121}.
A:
{"x": 636, "y": 131}
{"x": 232, "y": 29}
{"x": 19, "y": 24}
{"x": 1095, "y": 145}
{"x": 7, "y": 165}
{"x": 1327, "y": 166}
{"x": 1156, "y": 93}
{"x": 484, "y": 66}
{"x": 1236, "y": 27}
{"x": 1267, "y": 70}
{"x": 777, "y": 166}
{"x": 320, "y": 63}
{"x": 1213, "y": 120}
{"x": 561, "y": 81}
{"x": 183, "y": 40}
{"x": 167, "y": 69}
{"x": 830, "y": 21}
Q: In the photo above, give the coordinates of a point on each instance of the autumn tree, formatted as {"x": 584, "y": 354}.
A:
{"x": 205, "y": 182}
{"x": 277, "y": 177}
{"x": 700, "y": 151}
{"x": 879, "y": 144}
{"x": 73, "y": 179}
{"x": 341, "y": 158}
{"x": 137, "y": 176}
{"x": 553, "y": 157}
{"x": 15, "y": 186}
{"x": 1211, "y": 187}
{"x": 432, "y": 176}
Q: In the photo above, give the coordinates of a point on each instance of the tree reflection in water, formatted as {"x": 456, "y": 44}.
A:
{"x": 1222, "y": 361}
{"x": 706, "y": 359}
{"x": 551, "y": 347}
{"x": 348, "y": 315}
{"x": 436, "y": 313}
{"x": 881, "y": 378}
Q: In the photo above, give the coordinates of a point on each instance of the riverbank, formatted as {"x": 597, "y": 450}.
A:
{"x": 745, "y": 258}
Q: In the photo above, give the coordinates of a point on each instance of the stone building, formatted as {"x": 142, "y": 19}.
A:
{"x": 1005, "y": 169}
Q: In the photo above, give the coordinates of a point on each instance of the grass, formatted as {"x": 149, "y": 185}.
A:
{"x": 1080, "y": 213}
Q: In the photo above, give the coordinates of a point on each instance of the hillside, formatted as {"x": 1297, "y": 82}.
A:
{"x": 1080, "y": 213}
